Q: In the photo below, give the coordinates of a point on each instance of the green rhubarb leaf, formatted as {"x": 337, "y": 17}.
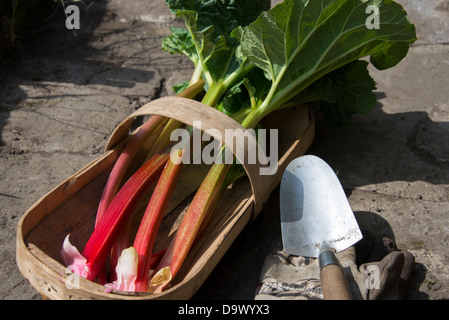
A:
{"x": 223, "y": 15}
{"x": 180, "y": 42}
{"x": 260, "y": 85}
{"x": 215, "y": 53}
{"x": 180, "y": 87}
{"x": 342, "y": 93}
{"x": 234, "y": 99}
{"x": 209, "y": 24}
{"x": 238, "y": 98}
{"x": 297, "y": 42}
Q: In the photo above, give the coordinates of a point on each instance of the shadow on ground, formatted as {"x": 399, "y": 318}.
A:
{"x": 382, "y": 147}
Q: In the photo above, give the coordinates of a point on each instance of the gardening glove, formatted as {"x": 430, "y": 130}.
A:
{"x": 286, "y": 277}
{"x": 388, "y": 279}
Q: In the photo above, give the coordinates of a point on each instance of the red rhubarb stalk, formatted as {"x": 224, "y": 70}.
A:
{"x": 92, "y": 260}
{"x": 135, "y": 144}
{"x": 122, "y": 164}
{"x": 151, "y": 221}
{"x": 138, "y": 259}
{"x": 124, "y": 161}
{"x": 201, "y": 206}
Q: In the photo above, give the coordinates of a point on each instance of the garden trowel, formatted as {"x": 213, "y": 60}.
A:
{"x": 317, "y": 221}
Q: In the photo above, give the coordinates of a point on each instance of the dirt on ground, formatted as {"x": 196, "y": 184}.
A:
{"x": 66, "y": 91}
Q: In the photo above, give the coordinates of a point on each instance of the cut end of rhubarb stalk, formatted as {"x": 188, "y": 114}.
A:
{"x": 126, "y": 272}
{"x": 73, "y": 259}
{"x": 160, "y": 280}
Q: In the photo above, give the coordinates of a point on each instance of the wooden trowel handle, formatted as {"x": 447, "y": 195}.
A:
{"x": 333, "y": 280}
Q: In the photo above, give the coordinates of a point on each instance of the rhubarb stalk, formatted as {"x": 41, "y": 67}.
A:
{"x": 92, "y": 260}
{"x": 150, "y": 223}
{"x": 124, "y": 161}
{"x": 116, "y": 176}
{"x": 134, "y": 145}
{"x": 146, "y": 234}
{"x": 202, "y": 205}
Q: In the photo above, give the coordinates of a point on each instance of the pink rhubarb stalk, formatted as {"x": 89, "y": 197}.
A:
{"x": 135, "y": 144}
{"x": 122, "y": 164}
{"x": 147, "y": 232}
{"x": 201, "y": 206}
{"x": 92, "y": 260}
{"x": 124, "y": 161}
{"x": 151, "y": 221}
